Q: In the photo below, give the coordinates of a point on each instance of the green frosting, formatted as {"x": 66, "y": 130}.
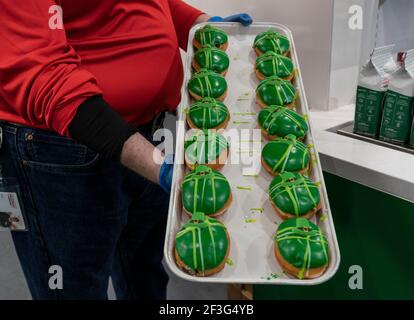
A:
{"x": 273, "y": 64}
{"x": 208, "y": 113}
{"x": 211, "y": 58}
{"x": 294, "y": 193}
{"x": 286, "y": 154}
{"x": 302, "y": 244}
{"x": 202, "y": 243}
{"x": 205, "y": 146}
{"x": 211, "y": 35}
{"x": 206, "y": 83}
{"x": 272, "y": 40}
{"x": 206, "y": 190}
{"x": 281, "y": 121}
{"x": 276, "y": 91}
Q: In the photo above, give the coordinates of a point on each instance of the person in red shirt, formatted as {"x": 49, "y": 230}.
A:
{"x": 78, "y": 106}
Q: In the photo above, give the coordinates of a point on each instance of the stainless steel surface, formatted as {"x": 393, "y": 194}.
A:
{"x": 347, "y": 129}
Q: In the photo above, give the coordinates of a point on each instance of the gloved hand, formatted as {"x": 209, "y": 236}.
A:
{"x": 243, "y": 18}
{"x": 166, "y": 173}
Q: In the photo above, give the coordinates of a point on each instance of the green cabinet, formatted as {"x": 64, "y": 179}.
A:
{"x": 375, "y": 231}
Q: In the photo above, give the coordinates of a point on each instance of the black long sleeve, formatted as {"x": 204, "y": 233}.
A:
{"x": 100, "y": 128}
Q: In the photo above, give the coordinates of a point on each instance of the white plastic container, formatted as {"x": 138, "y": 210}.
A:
{"x": 251, "y": 232}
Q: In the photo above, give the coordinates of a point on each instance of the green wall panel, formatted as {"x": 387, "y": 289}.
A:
{"x": 376, "y": 232}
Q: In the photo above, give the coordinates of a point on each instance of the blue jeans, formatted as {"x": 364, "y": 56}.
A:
{"x": 92, "y": 217}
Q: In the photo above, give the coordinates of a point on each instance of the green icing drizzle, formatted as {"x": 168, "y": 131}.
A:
{"x": 294, "y": 193}
{"x": 206, "y": 83}
{"x": 211, "y": 35}
{"x": 244, "y": 188}
{"x": 272, "y": 40}
{"x": 323, "y": 217}
{"x": 273, "y": 64}
{"x": 272, "y": 276}
{"x": 205, "y": 146}
{"x": 211, "y": 58}
{"x": 281, "y": 121}
{"x": 230, "y": 262}
{"x": 202, "y": 243}
{"x": 208, "y": 113}
{"x": 206, "y": 190}
{"x": 302, "y": 244}
{"x": 276, "y": 91}
{"x": 286, "y": 154}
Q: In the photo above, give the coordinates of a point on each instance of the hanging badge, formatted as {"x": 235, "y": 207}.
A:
{"x": 11, "y": 209}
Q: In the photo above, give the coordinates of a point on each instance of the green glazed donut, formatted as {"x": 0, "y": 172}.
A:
{"x": 273, "y": 64}
{"x": 202, "y": 246}
{"x": 206, "y": 190}
{"x": 294, "y": 195}
{"x": 301, "y": 248}
{"x": 277, "y": 121}
{"x": 206, "y": 147}
{"x": 212, "y": 36}
{"x": 208, "y": 113}
{"x": 271, "y": 40}
{"x": 206, "y": 83}
{"x": 285, "y": 154}
{"x": 211, "y": 58}
{"x": 275, "y": 91}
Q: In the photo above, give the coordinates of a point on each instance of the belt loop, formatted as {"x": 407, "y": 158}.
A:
{"x": 8, "y": 127}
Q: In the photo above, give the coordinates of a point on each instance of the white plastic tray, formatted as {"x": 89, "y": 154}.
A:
{"x": 251, "y": 232}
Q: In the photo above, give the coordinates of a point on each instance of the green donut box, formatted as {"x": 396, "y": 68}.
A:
{"x": 250, "y": 220}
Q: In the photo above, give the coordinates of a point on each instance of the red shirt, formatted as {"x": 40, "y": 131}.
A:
{"x": 127, "y": 50}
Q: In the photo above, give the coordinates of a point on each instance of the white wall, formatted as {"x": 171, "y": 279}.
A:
{"x": 311, "y": 24}
{"x": 384, "y": 22}
{"x": 396, "y": 24}
{"x": 348, "y": 48}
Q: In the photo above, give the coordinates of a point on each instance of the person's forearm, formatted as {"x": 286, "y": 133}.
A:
{"x": 100, "y": 128}
{"x": 139, "y": 155}
{"x": 202, "y": 18}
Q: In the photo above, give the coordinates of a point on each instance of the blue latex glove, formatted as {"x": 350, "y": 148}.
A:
{"x": 166, "y": 173}
{"x": 243, "y": 18}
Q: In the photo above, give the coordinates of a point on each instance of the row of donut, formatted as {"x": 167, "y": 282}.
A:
{"x": 300, "y": 246}
{"x": 202, "y": 244}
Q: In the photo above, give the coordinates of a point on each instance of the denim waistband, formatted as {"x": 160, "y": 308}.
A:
{"x": 10, "y": 127}
{"x": 149, "y": 127}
